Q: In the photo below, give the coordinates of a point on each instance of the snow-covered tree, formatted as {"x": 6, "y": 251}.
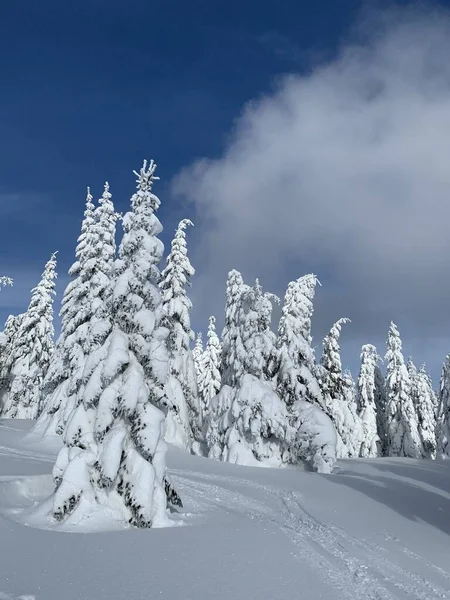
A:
{"x": 402, "y": 434}
{"x": 255, "y": 429}
{"x": 249, "y": 424}
{"x": 334, "y": 392}
{"x": 84, "y": 313}
{"x": 8, "y": 336}
{"x": 255, "y": 343}
{"x": 197, "y": 353}
{"x": 443, "y": 413}
{"x": 183, "y": 421}
{"x": 31, "y": 350}
{"x": 86, "y": 328}
{"x": 351, "y": 430}
{"x": 411, "y": 368}
{"x": 349, "y": 390}
{"x": 331, "y": 361}
{"x": 366, "y": 405}
{"x": 230, "y": 360}
{"x": 54, "y": 387}
{"x": 248, "y": 343}
{"x": 209, "y": 377}
{"x": 4, "y": 281}
{"x": 424, "y": 400}
{"x": 114, "y": 448}
{"x": 296, "y": 369}
{"x": 315, "y": 440}
{"x": 380, "y": 403}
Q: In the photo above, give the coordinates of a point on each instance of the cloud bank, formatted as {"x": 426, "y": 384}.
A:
{"x": 344, "y": 171}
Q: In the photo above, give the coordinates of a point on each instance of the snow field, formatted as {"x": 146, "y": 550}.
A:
{"x": 378, "y": 529}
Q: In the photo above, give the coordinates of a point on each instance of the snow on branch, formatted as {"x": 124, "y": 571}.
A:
{"x": 4, "y": 281}
{"x": 146, "y": 176}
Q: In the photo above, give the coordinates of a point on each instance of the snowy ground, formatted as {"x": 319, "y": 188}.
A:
{"x": 377, "y": 529}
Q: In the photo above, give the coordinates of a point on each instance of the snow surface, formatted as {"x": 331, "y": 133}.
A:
{"x": 377, "y": 529}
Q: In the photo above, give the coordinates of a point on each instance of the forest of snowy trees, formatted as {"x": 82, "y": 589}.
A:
{"x": 128, "y": 375}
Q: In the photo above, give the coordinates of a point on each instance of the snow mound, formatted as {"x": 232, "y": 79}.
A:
{"x": 28, "y": 501}
{"x": 316, "y": 437}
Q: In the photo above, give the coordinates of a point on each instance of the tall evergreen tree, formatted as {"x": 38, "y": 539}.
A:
{"x": 83, "y": 312}
{"x": 183, "y": 421}
{"x": 354, "y": 429}
{"x": 296, "y": 369}
{"x": 210, "y": 380}
{"x": 402, "y": 434}
{"x": 380, "y": 403}
{"x": 86, "y": 332}
{"x": 366, "y": 405}
{"x": 331, "y": 361}
{"x": 335, "y": 393}
{"x": 114, "y": 448}
{"x": 31, "y": 350}
{"x": 424, "y": 400}
{"x": 4, "y": 281}
{"x": 54, "y": 386}
{"x": 443, "y": 413}
{"x": 411, "y": 368}
{"x": 230, "y": 359}
{"x": 9, "y": 334}
{"x": 197, "y": 354}
{"x": 315, "y": 437}
{"x": 254, "y": 342}
{"x": 249, "y": 423}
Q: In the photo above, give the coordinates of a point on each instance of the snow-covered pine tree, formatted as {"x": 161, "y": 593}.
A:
{"x": 296, "y": 368}
{"x": 249, "y": 423}
{"x": 366, "y": 405}
{"x": 411, "y": 368}
{"x": 331, "y": 361}
{"x": 8, "y": 335}
{"x": 335, "y": 393}
{"x": 259, "y": 357}
{"x": 349, "y": 394}
{"x": 85, "y": 319}
{"x": 53, "y": 394}
{"x": 297, "y": 384}
{"x": 353, "y": 427}
{"x": 380, "y": 403}
{"x": 209, "y": 378}
{"x": 216, "y": 412}
{"x": 86, "y": 329}
{"x": 4, "y": 281}
{"x": 424, "y": 400}
{"x": 197, "y": 353}
{"x": 443, "y": 413}
{"x": 183, "y": 420}
{"x": 230, "y": 360}
{"x": 114, "y": 448}
{"x": 402, "y": 434}
{"x": 31, "y": 350}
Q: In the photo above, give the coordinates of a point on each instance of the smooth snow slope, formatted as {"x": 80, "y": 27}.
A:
{"x": 377, "y": 529}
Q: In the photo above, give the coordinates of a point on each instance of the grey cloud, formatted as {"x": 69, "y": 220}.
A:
{"x": 345, "y": 172}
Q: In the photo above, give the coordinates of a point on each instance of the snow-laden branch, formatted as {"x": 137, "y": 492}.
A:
{"x": 4, "y": 281}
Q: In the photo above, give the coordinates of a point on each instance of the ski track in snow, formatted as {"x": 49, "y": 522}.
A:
{"x": 355, "y": 569}
{"x": 4, "y": 596}
{"x": 28, "y": 454}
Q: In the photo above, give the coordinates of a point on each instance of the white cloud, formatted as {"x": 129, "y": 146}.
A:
{"x": 344, "y": 171}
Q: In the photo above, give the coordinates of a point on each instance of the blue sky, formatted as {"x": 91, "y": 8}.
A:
{"x": 91, "y": 88}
